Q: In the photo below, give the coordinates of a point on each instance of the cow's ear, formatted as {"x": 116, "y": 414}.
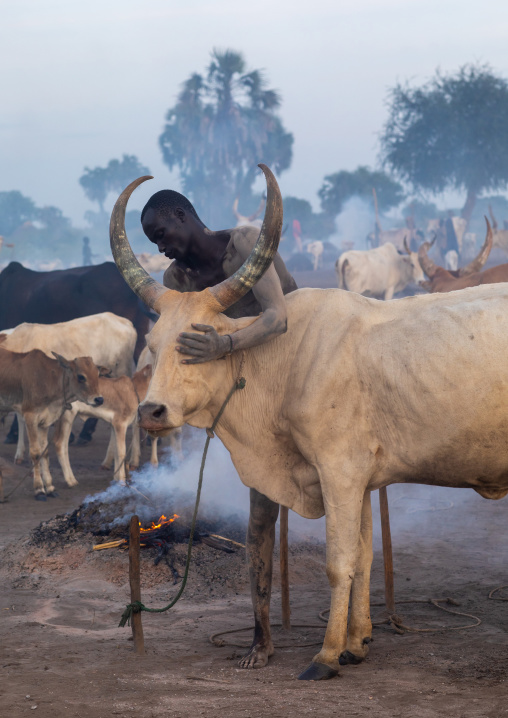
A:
{"x": 63, "y": 362}
{"x": 105, "y": 371}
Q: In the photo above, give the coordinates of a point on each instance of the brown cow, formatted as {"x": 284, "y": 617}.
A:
{"x": 442, "y": 280}
{"x": 121, "y": 398}
{"x": 41, "y": 389}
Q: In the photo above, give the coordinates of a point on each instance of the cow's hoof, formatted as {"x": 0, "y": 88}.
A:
{"x": 349, "y": 659}
{"x": 318, "y": 672}
{"x": 105, "y": 468}
{"x": 53, "y": 494}
{"x": 40, "y": 497}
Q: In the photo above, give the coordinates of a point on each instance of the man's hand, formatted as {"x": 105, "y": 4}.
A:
{"x": 202, "y": 347}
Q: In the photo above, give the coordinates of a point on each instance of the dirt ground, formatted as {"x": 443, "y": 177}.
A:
{"x": 62, "y": 654}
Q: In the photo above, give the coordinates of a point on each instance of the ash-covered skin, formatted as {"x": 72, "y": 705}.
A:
{"x": 203, "y": 258}
{"x": 260, "y": 543}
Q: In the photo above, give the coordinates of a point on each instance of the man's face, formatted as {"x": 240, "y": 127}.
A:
{"x": 169, "y": 232}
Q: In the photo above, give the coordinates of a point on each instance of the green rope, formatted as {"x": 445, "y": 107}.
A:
{"x": 137, "y": 606}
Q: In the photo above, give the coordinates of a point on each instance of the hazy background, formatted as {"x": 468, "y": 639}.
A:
{"x": 85, "y": 82}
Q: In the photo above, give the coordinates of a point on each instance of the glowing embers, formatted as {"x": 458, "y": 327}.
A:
{"x": 162, "y": 522}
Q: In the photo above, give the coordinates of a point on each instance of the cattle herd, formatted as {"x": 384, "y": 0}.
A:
{"x": 356, "y": 395}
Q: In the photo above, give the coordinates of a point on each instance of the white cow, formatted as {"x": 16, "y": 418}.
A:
{"x": 107, "y": 338}
{"x": 379, "y": 272}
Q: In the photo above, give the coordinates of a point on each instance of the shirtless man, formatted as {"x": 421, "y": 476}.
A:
{"x": 203, "y": 258}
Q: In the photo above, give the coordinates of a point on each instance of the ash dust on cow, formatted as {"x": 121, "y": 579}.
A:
{"x": 62, "y": 654}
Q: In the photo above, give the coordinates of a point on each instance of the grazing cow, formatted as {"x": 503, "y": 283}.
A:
{"x": 41, "y": 389}
{"x": 175, "y": 437}
{"x": 397, "y": 392}
{"x": 61, "y": 295}
{"x": 252, "y": 220}
{"x": 108, "y": 339}
{"x": 121, "y": 398}
{"x": 442, "y": 280}
{"x": 379, "y": 272}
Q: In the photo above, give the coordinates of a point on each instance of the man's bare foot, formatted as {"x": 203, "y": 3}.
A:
{"x": 257, "y": 657}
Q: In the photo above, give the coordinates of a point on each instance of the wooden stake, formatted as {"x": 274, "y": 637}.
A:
{"x": 135, "y": 582}
{"x": 284, "y": 568}
{"x": 387, "y": 550}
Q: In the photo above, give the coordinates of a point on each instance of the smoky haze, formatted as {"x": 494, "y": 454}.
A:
{"x": 88, "y": 82}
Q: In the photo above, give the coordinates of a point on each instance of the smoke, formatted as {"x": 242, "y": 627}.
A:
{"x": 172, "y": 486}
{"x": 354, "y": 223}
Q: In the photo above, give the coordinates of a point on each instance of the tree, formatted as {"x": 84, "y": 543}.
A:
{"x": 341, "y": 186}
{"x": 222, "y": 126}
{"x": 451, "y": 133}
{"x": 15, "y": 210}
{"x": 97, "y": 183}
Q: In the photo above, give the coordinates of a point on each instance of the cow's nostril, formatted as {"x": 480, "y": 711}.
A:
{"x": 157, "y": 413}
{"x": 99, "y": 401}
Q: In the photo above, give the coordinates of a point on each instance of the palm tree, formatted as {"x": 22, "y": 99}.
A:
{"x": 221, "y": 127}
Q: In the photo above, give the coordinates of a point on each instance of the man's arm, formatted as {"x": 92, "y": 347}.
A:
{"x": 210, "y": 345}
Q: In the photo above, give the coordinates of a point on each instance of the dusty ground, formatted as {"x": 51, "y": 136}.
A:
{"x": 61, "y": 650}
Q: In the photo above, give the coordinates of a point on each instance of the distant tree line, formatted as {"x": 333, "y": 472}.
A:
{"x": 449, "y": 133}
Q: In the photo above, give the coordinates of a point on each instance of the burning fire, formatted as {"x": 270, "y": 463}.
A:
{"x": 163, "y": 521}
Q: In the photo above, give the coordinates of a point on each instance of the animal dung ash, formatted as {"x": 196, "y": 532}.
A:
{"x": 98, "y": 522}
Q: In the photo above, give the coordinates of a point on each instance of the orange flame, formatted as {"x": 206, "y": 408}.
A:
{"x": 163, "y": 521}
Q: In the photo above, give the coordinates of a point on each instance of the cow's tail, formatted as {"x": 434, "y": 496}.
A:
{"x": 344, "y": 266}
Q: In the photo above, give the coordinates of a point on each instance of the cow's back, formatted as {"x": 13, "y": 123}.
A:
{"x": 107, "y": 338}
{"x": 367, "y": 272}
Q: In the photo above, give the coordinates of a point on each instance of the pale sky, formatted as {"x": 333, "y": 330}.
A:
{"x": 85, "y": 82}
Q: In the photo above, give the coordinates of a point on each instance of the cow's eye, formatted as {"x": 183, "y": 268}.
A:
{"x": 81, "y": 379}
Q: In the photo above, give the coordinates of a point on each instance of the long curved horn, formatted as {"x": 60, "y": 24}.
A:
{"x": 147, "y": 289}
{"x": 478, "y": 262}
{"x": 408, "y": 251}
{"x": 235, "y": 287}
{"x": 426, "y": 263}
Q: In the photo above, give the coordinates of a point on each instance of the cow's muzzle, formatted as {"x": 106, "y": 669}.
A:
{"x": 98, "y": 401}
{"x": 154, "y": 418}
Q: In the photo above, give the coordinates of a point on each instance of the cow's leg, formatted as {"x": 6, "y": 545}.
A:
{"x": 87, "y": 431}
{"x": 12, "y": 436}
{"x": 35, "y": 454}
{"x": 154, "y": 459}
{"x": 343, "y": 520}
{"x": 110, "y": 452}
{"x": 135, "y": 456}
{"x": 38, "y": 441}
{"x": 61, "y": 436}
{"x": 260, "y": 542}
{"x": 175, "y": 442}
{"x": 360, "y": 625}
{"x": 120, "y": 431}
{"x": 21, "y": 447}
{"x": 389, "y": 293}
{"x": 46, "y": 475}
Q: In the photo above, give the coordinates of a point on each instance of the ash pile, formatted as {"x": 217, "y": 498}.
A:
{"x": 104, "y": 520}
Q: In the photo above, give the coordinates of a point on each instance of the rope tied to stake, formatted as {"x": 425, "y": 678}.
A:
{"x": 138, "y": 606}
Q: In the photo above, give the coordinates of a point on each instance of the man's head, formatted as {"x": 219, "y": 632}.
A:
{"x": 169, "y": 220}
